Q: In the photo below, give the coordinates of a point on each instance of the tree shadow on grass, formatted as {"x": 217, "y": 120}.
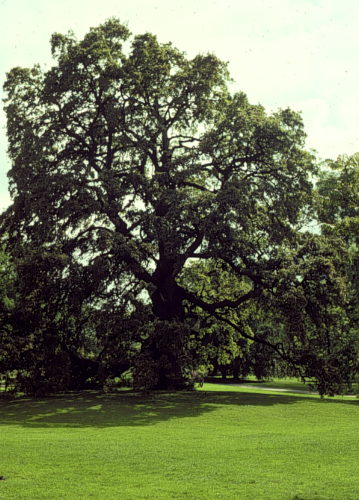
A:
{"x": 95, "y": 409}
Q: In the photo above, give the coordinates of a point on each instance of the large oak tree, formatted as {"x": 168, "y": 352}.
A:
{"x": 131, "y": 160}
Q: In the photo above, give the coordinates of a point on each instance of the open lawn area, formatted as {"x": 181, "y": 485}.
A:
{"x": 221, "y": 442}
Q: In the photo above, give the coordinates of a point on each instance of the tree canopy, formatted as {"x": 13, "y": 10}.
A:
{"x": 132, "y": 163}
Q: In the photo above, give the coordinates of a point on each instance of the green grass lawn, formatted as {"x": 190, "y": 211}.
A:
{"x": 286, "y": 383}
{"x": 222, "y": 442}
{"x": 280, "y": 383}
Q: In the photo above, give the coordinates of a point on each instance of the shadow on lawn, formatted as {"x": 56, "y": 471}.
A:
{"x": 95, "y": 409}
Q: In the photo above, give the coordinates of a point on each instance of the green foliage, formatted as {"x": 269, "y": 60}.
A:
{"x": 213, "y": 342}
{"x": 337, "y": 191}
{"x": 337, "y": 198}
{"x": 10, "y": 345}
{"x": 338, "y": 208}
{"x": 131, "y": 161}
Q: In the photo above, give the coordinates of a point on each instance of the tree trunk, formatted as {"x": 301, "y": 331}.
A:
{"x": 167, "y": 347}
{"x": 224, "y": 372}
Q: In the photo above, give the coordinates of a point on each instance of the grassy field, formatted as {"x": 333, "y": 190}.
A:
{"x": 222, "y": 442}
{"x": 286, "y": 383}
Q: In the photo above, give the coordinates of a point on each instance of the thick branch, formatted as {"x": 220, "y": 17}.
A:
{"x": 211, "y": 309}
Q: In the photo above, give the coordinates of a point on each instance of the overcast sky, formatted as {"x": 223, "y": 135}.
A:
{"x": 302, "y": 54}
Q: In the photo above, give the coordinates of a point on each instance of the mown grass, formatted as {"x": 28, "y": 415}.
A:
{"x": 288, "y": 383}
{"x": 222, "y": 442}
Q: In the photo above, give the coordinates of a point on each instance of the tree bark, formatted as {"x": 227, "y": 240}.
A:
{"x": 167, "y": 347}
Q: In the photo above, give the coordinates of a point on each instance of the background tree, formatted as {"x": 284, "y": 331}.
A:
{"x": 337, "y": 197}
{"x": 300, "y": 324}
{"x": 8, "y": 343}
{"x": 133, "y": 162}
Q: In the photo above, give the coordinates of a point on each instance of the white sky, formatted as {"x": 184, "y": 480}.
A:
{"x": 298, "y": 53}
